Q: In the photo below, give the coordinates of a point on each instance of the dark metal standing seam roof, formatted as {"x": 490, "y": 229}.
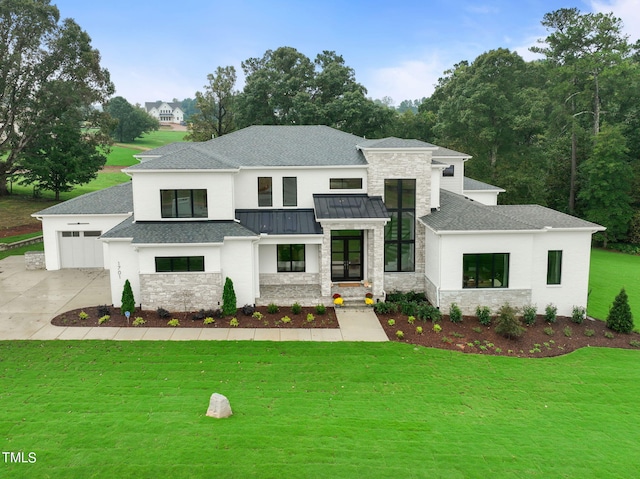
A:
{"x": 280, "y": 221}
{"x": 358, "y": 206}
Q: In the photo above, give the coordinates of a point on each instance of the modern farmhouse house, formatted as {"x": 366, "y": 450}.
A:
{"x": 298, "y": 212}
{"x": 165, "y": 111}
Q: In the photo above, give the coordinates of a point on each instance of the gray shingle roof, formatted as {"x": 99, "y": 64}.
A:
{"x": 393, "y": 142}
{"x": 163, "y": 150}
{"x": 177, "y": 232}
{"x": 360, "y": 206}
{"x": 474, "y": 185}
{"x": 280, "y": 221}
{"x": 458, "y": 213}
{"x": 264, "y": 145}
{"x": 190, "y": 157}
{"x": 114, "y": 200}
{"x": 443, "y": 152}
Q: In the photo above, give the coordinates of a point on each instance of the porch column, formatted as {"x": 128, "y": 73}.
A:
{"x": 325, "y": 261}
{"x": 377, "y": 269}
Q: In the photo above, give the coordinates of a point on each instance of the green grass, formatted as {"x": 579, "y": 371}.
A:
{"x": 156, "y": 139}
{"x": 13, "y": 239}
{"x": 341, "y": 410}
{"x": 611, "y": 271}
{"x": 22, "y": 250}
{"x": 121, "y": 156}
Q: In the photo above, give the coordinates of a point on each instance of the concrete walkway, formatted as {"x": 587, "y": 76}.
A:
{"x": 30, "y": 299}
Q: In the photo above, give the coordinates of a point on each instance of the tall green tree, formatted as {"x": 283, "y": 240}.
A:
{"x": 131, "y": 122}
{"x": 285, "y": 87}
{"x": 584, "y": 51}
{"x": 493, "y": 110}
{"x": 214, "y": 115}
{"x": 607, "y": 177}
{"x": 37, "y": 49}
{"x": 65, "y": 153}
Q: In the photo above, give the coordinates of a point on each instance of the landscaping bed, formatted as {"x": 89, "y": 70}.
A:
{"x": 541, "y": 339}
{"x": 195, "y": 319}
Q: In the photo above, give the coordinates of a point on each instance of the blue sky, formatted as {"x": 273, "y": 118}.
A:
{"x": 160, "y": 50}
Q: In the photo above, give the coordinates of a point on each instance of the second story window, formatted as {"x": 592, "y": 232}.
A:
{"x": 345, "y": 183}
{"x": 265, "y": 191}
{"x": 289, "y": 191}
{"x": 183, "y": 203}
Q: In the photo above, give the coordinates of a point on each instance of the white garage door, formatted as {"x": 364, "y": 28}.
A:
{"x": 81, "y": 249}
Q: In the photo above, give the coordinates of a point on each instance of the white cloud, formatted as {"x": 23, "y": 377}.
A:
{"x": 408, "y": 80}
{"x": 627, "y": 10}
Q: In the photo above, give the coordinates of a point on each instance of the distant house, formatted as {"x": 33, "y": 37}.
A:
{"x": 294, "y": 213}
{"x": 165, "y": 112}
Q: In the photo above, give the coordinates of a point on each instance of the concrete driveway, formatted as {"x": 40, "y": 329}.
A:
{"x": 30, "y": 299}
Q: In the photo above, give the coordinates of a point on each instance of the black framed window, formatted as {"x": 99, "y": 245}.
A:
{"x": 265, "y": 191}
{"x": 554, "y": 267}
{"x": 289, "y": 191}
{"x": 399, "y": 234}
{"x": 345, "y": 183}
{"x": 183, "y": 203}
{"x": 448, "y": 171}
{"x": 291, "y": 258}
{"x": 175, "y": 264}
{"x": 485, "y": 270}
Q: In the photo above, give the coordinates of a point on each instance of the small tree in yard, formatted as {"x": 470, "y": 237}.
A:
{"x": 507, "y": 322}
{"x": 229, "y": 306}
{"x": 128, "y": 302}
{"x": 620, "y": 318}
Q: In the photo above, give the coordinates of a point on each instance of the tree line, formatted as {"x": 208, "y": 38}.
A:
{"x": 561, "y": 131}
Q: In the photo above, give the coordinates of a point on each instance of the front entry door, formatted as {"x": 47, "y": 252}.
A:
{"x": 346, "y": 255}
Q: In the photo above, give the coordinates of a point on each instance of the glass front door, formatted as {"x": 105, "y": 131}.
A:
{"x": 346, "y": 255}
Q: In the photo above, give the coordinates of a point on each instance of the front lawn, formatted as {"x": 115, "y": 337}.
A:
{"x": 611, "y": 271}
{"x": 118, "y": 409}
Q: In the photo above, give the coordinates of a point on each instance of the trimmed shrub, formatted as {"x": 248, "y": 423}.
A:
{"x": 620, "y": 318}
{"x": 484, "y": 315}
{"x": 529, "y": 313}
{"x": 296, "y": 308}
{"x": 385, "y": 307}
{"x": 428, "y": 312}
{"x": 128, "y": 302}
{"x": 550, "y": 313}
{"x": 455, "y": 313}
{"x": 321, "y": 309}
{"x": 507, "y": 322}
{"x": 163, "y": 313}
{"x": 410, "y": 308}
{"x": 248, "y": 310}
{"x": 229, "y": 306}
{"x": 578, "y": 314}
{"x": 104, "y": 310}
{"x": 272, "y": 308}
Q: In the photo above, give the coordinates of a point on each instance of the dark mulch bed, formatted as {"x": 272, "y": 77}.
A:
{"x": 269, "y": 320}
{"x": 20, "y": 230}
{"x": 470, "y": 336}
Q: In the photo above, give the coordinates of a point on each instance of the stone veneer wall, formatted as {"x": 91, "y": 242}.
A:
{"x": 34, "y": 260}
{"x": 398, "y": 164}
{"x": 181, "y": 291}
{"x": 469, "y": 299}
{"x": 374, "y": 241}
{"x": 289, "y": 278}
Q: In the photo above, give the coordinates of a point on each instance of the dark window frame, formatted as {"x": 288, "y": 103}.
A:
{"x": 554, "y": 267}
{"x": 345, "y": 183}
{"x": 174, "y": 193}
{"x": 474, "y": 281}
{"x": 289, "y": 191}
{"x": 289, "y": 266}
{"x": 449, "y": 171}
{"x": 401, "y": 232}
{"x": 265, "y": 193}
{"x": 194, "y": 264}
